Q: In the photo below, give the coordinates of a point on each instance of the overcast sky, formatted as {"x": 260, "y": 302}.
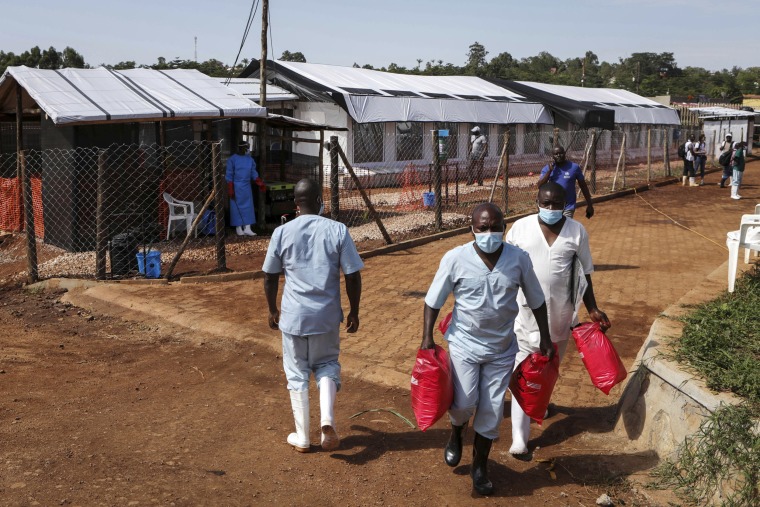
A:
{"x": 711, "y": 34}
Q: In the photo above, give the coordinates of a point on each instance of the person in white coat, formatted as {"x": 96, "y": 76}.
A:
{"x": 558, "y": 247}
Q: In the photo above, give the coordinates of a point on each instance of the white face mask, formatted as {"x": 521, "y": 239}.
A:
{"x": 549, "y": 216}
{"x": 488, "y": 242}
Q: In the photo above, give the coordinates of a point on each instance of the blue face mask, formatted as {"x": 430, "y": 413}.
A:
{"x": 549, "y": 216}
{"x": 488, "y": 242}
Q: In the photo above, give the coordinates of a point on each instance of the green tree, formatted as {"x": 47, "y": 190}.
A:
{"x": 502, "y": 65}
{"x": 476, "y": 60}
{"x": 72, "y": 59}
{"x": 287, "y": 56}
{"x": 51, "y": 59}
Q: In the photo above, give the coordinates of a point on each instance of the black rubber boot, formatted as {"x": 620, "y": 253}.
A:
{"x": 481, "y": 447}
{"x": 452, "y": 453}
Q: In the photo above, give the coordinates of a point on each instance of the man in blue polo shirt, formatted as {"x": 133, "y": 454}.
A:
{"x": 566, "y": 173}
{"x": 311, "y": 251}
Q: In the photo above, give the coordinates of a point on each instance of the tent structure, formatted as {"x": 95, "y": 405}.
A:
{"x": 591, "y": 107}
{"x": 371, "y": 96}
{"x": 719, "y": 121}
{"x": 87, "y": 96}
{"x": 250, "y": 88}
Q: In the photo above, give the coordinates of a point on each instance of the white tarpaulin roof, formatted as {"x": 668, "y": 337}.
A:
{"x": 250, "y": 88}
{"x": 374, "y": 96}
{"x": 721, "y": 112}
{"x": 628, "y": 107}
{"x": 71, "y": 96}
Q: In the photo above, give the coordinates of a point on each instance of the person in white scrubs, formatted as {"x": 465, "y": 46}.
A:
{"x": 484, "y": 275}
{"x": 559, "y": 250}
{"x": 311, "y": 251}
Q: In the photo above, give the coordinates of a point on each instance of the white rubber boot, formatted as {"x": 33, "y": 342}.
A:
{"x": 299, "y": 401}
{"x": 520, "y": 430}
{"x": 735, "y": 192}
{"x": 247, "y": 231}
{"x": 693, "y": 182}
{"x": 327, "y": 392}
{"x": 683, "y": 181}
{"x": 239, "y": 231}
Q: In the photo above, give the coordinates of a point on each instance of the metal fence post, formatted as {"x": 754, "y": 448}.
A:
{"x": 437, "y": 183}
{"x": 101, "y": 232}
{"x": 665, "y": 161}
{"x": 218, "y": 175}
{"x": 649, "y": 155}
{"x": 334, "y": 188}
{"x": 31, "y": 239}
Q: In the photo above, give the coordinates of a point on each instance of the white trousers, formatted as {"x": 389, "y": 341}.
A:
{"x": 318, "y": 353}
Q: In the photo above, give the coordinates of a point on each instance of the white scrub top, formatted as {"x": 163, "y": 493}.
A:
{"x": 485, "y": 304}
{"x": 554, "y": 268}
{"x": 311, "y": 251}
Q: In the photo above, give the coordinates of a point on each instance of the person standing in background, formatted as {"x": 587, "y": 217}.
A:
{"x": 737, "y": 165}
{"x": 700, "y": 159}
{"x": 478, "y": 150}
{"x": 241, "y": 171}
{"x": 688, "y": 163}
{"x": 726, "y": 145}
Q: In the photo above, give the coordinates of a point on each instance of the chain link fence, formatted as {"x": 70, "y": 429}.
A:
{"x": 124, "y": 211}
{"x": 403, "y": 195}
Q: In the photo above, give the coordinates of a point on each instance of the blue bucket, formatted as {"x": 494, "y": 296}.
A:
{"x": 151, "y": 268}
{"x": 208, "y": 223}
{"x": 428, "y": 199}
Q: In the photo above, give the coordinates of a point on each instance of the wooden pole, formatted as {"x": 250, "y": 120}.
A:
{"x": 218, "y": 193}
{"x": 592, "y": 161}
{"x": 665, "y": 152}
{"x": 263, "y": 141}
{"x": 19, "y": 150}
{"x": 555, "y": 140}
{"x": 321, "y": 168}
{"x": 437, "y": 183}
{"x": 620, "y": 159}
{"x": 31, "y": 239}
{"x": 364, "y": 195}
{"x": 649, "y": 155}
{"x": 498, "y": 171}
{"x": 714, "y": 145}
{"x": 193, "y": 226}
{"x": 101, "y": 231}
{"x": 507, "y": 136}
{"x": 622, "y": 152}
{"x": 334, "y": 195}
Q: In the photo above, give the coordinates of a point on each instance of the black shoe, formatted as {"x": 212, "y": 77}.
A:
{"x": 452, "y": 453}
{"x": 481, "y": 447}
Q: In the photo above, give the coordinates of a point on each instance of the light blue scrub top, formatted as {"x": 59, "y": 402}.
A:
{"x": 485, "y": 302}
{"x": 311, "y": 251}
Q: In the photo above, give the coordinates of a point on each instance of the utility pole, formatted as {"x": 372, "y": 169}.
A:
{"x": 196, "y": 47}
{"x": 583, "y": 72}
{"x": 263, "y": 86}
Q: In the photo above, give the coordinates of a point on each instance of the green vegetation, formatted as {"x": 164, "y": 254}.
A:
{"x": 647, "y": 74}
{"x": 721, "y": 341}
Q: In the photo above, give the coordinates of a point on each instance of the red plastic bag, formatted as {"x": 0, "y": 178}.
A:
{"x": 443, "y": 326}
{"x": 532, "y": 384}
{"x": 599, "y": 356}
{"x": 432, "y": 387}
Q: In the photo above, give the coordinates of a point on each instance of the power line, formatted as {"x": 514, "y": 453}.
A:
{"x": 248, "y": 24}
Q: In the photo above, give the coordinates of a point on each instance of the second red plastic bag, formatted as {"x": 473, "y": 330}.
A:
{"x": 532, "y": 384}
{"x": 599, "y": 356}
{"x": 432, "y": 390}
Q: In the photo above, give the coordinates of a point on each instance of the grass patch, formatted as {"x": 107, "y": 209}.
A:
{"x": 721, "y": 342}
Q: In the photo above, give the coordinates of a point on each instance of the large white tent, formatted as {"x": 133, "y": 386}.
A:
{"x": 372, "y": 96}
{"x": 86, "y": 96}
{"x": 629, "y": 107}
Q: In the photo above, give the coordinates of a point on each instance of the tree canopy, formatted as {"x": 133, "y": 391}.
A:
{"x": 645, "y": 73}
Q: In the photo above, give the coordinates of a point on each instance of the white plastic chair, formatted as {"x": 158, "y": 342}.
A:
{"x": 747, "y": 237}
{"x": 179, "y": 210}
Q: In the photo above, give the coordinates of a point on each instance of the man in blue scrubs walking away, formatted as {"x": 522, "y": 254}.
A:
{"x": 566, "y": 173}
{"x": 484, "y": 276}
{"x": 241, "y": 171}
{"x": 311, "y": 251}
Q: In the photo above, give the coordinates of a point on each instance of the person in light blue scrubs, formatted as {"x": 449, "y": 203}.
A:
{"x": 311, "y": 251}
{"x": 484, "y": 275}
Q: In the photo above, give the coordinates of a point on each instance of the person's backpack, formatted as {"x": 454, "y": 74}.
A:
{"x": 725, "y": 157}
{"x": 682, "y": 150}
